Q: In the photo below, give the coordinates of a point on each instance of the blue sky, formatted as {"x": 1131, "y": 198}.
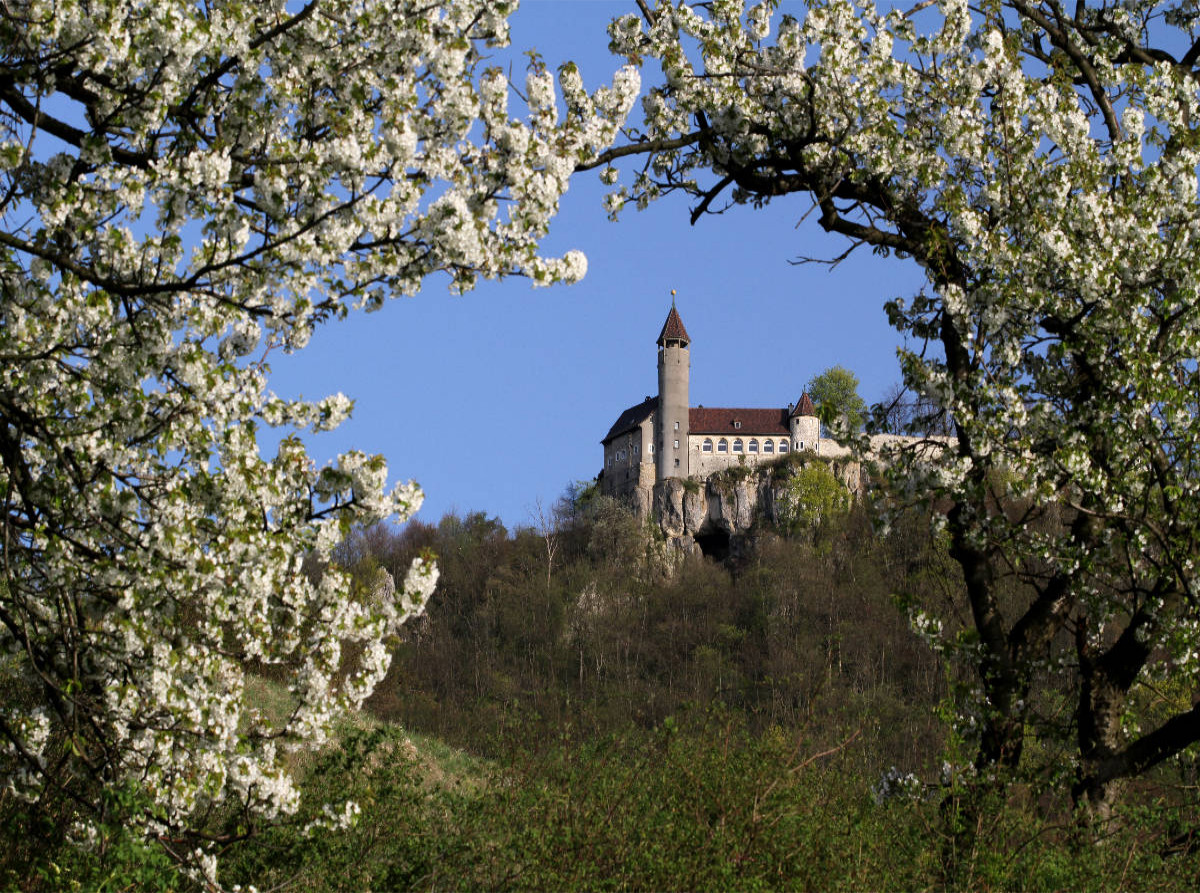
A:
{"x": 497, "y": 399}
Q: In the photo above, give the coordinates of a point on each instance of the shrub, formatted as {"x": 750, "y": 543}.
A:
{"x": 810, "y": 498}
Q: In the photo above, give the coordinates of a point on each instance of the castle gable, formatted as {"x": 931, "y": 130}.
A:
{"x": 631, "y": 418}
{"x": 772, "y": 422}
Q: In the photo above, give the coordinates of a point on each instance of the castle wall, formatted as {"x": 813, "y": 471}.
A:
{"x": 702, "y": 464}
{"x": 831, "y": 449}
{"x": 629, "y": 462}
{"x": 927, "y": 447}
{"x": 630, "y": 469}
{"x": 806, "y": 433}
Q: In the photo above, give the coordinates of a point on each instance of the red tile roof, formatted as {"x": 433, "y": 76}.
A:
{"x": 805, "y": 406}
{"x": 716, "y": 420}
{"x": 631, "y": 418}
{"x": 704, "y": 420}
{"x": 673, "y": 328}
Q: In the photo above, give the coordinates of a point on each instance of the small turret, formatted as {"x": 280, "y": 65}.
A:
{"x": 806, "y": 427}
{"x": 673, "y": 333}
{"x": 671, "y": 427}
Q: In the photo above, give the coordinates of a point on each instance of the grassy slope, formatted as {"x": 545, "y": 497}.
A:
{"x": 695, "y": 804}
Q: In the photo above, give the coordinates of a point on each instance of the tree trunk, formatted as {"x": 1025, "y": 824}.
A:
{"x": 1105, "y": 680}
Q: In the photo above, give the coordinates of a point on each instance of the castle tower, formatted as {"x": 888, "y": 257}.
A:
{"x": 806, "y": 427}
{"x": 671, "y": 420}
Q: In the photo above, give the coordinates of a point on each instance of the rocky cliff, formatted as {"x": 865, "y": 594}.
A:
{"x": 714, "y": 516}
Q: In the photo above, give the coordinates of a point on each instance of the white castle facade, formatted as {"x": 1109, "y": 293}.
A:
{"x": 664, "y": 437}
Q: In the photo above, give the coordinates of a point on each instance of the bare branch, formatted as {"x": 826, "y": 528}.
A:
{"x": 645, "y": 147}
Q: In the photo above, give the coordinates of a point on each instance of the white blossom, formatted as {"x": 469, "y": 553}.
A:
{"x": 245, "y": 172}
{"x": 1042, "y": 171}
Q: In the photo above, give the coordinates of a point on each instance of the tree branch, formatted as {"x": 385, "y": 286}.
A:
{"x": 646, "y": 147}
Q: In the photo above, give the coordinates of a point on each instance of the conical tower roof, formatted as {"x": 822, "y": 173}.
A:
{"x": 804, "y": 407}
{"x": 673, "y": 329}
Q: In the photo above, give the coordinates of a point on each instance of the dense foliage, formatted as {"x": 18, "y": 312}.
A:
{"x": 835, "y": 392}
{"x": 1038, "y": 160}
{"x": 803, "y": 633}
{"x": 776, "y": 722}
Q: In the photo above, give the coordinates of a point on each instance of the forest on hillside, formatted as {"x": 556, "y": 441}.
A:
{"x": 588, "y": 622}
{"x": 648, "y": 721}
{"x": 581, "y": 707}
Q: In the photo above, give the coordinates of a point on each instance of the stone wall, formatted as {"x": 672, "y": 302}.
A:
{"x": 624, "y": 476}
{"x": 702, "y": 464}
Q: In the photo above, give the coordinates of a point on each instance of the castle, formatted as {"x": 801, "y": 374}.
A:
{"x": 664, "y": 437}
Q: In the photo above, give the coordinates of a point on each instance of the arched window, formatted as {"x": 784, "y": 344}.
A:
{"x": 768, "y": 446}
{"x": 783, "y": 446}
{"x": 723, "y": 445}
{"x": 801, "y": 446}
{"x": 753, "y": 445}
{"x": 707, "y": 445}
{"x": 737, "y": 444}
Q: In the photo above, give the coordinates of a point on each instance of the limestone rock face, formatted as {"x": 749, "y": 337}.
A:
{"x": 718, "y": 514}
{"x": 850, "y": 474}
{"x": 745, "y": 501}
{"x": 643, "y": 501}
{"x": 683, "y": 509}
{"x": 689, "y": 511}
{"x": 730, "y": 507}
{"x": 668, "y": 507}
{"x": 695, "y": 509}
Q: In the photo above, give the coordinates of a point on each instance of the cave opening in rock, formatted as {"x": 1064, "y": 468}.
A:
{"x": 714, "y": 543}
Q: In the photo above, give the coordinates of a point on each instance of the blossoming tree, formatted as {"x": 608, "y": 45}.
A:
{"x": 1038, "y": 160}
{"x": 187, "y": 187}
